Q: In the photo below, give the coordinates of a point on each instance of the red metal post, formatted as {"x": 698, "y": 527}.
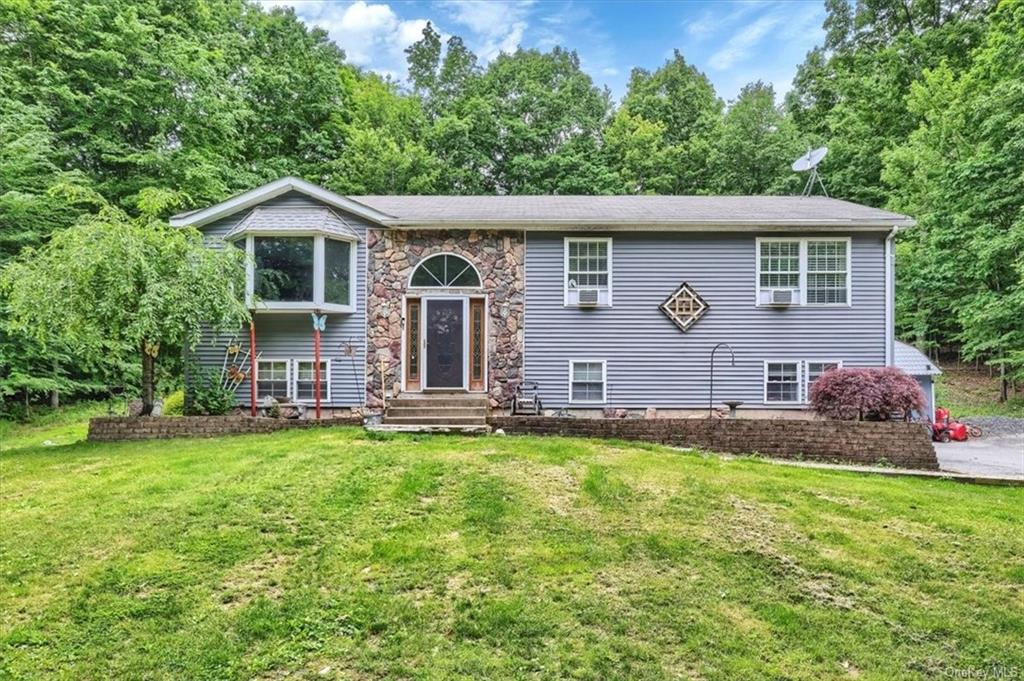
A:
{"x": 316, "y": 369}
{"x": 252, "y": 363}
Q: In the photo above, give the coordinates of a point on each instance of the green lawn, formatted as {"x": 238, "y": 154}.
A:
{"x": 334, "y": 554}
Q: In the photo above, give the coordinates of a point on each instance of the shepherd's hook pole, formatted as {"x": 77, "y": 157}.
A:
{"x": 711, "y": 370}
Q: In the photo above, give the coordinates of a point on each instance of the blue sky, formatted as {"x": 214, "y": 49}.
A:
{"x": 732, "y": 42}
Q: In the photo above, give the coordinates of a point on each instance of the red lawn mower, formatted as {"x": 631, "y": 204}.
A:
{"x": 945, "y": 428}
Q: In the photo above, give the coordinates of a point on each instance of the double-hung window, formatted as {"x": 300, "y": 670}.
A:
{"x": 813, "y": 372}
{"x": 586, "y": 381}
{"x": 588, "y": 271}
{"x": 813, "y": 271}
{"x": 782, "y": 382}
{"x": 304, "y": 380}
{"x": 827, "y": 272}
{"x": 291, "y": 379}
{"x": 272, "y": 379}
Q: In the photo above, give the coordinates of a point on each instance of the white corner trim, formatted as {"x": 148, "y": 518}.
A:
{"x": 271, "y": 190}
{"x": 890, "y": 291}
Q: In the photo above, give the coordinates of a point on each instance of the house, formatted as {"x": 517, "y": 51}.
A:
{"x": 603, "y": 301}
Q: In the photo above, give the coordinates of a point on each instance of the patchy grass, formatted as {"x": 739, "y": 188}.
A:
{"x": 338, "y": 554}
{"x": 967, "y": 392}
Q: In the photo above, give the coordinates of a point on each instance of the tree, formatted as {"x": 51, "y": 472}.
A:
{"x": 530, "y": 124}
{"x": 113, "y": 287}
{"x": 757, "y": 146}
{"x": 961, "y": 172}
{"x": 680, "y": 102}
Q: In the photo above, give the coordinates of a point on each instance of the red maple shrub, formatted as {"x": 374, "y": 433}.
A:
{"x": 855, "y": 393}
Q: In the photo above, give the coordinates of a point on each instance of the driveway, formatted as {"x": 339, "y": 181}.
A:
{"x": 996, "y": 454}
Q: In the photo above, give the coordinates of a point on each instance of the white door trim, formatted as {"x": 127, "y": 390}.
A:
{"x": 426, "y": 299}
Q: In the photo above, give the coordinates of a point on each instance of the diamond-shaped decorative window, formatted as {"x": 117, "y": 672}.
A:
{"x": 684, "y": 307}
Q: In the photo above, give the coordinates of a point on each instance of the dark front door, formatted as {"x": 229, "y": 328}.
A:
{"x": 444, "y": 344}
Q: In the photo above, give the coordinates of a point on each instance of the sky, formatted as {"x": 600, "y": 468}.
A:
{"x": 733, "y": 43}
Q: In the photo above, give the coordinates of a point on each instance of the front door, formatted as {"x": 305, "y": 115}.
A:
{"x": 445, "y": 333}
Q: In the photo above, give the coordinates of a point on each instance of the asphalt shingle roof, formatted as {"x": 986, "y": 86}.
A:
{"x": 640, "y": 210}
{"x": 268, "y": 219}
{"x": 914, "y": 362}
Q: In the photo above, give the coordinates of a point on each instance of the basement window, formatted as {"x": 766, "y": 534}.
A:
{"x": 782, "y": 382}
{"x": 272, "y": 379}
{"x": 587, "y": 381}
{"x": 304, "y": 380}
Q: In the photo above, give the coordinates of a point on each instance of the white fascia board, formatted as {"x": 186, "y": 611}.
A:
{"x": 576, "y": 226}
{"x": 271, "y": 190}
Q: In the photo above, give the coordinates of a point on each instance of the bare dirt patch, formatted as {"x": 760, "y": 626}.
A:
{"x": 261, "y": 577}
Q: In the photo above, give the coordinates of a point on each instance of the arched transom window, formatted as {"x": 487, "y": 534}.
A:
{"x": 445, "y": 271}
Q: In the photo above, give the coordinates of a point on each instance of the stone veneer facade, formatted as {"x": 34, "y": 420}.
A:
{"x": 394, "y": 254}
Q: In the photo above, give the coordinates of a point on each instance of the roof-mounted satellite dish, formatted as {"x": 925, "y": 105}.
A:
{"x": 810, "y": 161}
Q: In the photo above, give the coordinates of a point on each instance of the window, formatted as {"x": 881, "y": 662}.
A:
{"x": 587, "y": 381}
{"x": 445, "y": 271}
{"x": 780, "y": 264}
{"x": 782, "y": 382}
{"x": 814, "y": 372}
{"x": 283, "y": 268}
{"x": 826, "y": 272}
{"x": 337, "y": 272}
{"x": 308, "y": 272}
{"x": 819, "y": 269}
{"x": 588, "y": 266}
{"x": 272, "y": 378}
{"x": 304, "y": 380}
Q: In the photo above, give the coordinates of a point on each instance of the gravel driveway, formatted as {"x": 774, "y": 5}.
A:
{"x": 1000, "y": 451}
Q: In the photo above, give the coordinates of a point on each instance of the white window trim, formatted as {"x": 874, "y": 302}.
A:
{"x": 799, "y": 382}
{"x": 293, "y": 383}
{"x": 604, "y": 380}
{"x": 803, "y": 267}
{"x": 565, "y": 268}
{"x": 287, "y": 374}
{"x": 805, "y": 383}
{"x": 318, "y": 276}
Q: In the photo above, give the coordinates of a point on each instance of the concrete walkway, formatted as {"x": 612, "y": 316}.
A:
{"x": 1000, "y": 455}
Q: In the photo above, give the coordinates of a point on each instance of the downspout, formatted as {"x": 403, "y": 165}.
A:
{"x": 890, "y": 297}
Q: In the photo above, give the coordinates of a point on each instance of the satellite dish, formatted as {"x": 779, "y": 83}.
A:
{"x": 810, "y": 161}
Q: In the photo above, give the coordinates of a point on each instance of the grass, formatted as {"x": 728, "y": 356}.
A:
{"x": 336, "y": 554}
{"x": 969, "y": 392}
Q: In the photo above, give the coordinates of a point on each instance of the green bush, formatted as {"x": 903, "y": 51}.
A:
{"x": 209, "y": 398}
{"x": 174, "y": 404}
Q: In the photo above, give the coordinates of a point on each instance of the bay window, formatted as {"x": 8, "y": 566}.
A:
{"x": 300, "y": 272}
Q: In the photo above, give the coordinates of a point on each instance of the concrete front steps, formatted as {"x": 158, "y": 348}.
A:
{"x": 437, "y": 412}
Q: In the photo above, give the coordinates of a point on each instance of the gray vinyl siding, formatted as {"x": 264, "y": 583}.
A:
{"x": 290, "y": 335}
{"x": 650, "y": 362}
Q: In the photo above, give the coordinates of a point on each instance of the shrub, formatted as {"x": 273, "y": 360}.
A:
{"x": 856, "y": 393}
{"x": 174, "y": 404}
{"x": 209, "y": 398}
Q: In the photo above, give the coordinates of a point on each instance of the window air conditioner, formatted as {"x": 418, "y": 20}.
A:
{"x": 588, "y": 297}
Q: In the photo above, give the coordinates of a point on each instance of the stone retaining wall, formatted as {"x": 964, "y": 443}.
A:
{"x": 114, "y": 428}
{"x": 899, "y": 444}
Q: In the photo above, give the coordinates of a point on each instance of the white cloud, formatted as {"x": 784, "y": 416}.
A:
{"x": 741, "y": 44}
{"x": 495, "y": 27}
